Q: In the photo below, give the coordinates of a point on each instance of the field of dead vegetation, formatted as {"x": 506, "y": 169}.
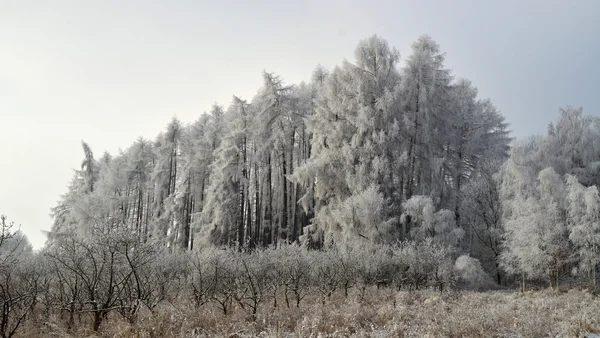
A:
{"x": 380, "y": 313}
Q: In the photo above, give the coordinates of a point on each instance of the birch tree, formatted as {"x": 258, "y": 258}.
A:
{"x": 536, "y": 239}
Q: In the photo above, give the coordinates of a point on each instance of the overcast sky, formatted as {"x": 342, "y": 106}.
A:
{"x": 108, "y": 72}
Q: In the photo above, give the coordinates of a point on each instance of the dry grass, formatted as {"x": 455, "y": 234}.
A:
{"x": 382, "y": 313}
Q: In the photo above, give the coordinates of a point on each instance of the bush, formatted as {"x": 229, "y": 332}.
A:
{"x": 471, "y": 274}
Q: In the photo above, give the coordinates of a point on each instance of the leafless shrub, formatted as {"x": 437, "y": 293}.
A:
{"x": 19, "y": 280}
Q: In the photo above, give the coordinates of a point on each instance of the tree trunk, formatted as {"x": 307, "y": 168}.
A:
{"x": 268, "y": 204}
{"x": 594, "y": 278}
{"x": 257, "y": 205}
{"x": 284, "y": 215}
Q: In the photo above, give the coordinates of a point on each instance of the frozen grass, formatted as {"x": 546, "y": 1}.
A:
{"x": 382, "y": 313}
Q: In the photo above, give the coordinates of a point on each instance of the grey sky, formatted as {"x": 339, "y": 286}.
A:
{"x": 108, "y": 72}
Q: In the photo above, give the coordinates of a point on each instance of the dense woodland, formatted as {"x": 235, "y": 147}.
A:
{"x": 357, "y": 154}
{"x": 384, "y": 171}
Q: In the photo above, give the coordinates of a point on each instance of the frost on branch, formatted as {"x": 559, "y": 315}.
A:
{"x": 421, "y": 219}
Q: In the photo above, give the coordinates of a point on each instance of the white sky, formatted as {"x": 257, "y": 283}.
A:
{"x": 108, "y": 72}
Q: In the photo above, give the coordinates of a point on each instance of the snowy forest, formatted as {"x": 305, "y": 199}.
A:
{"x": 387, "y": 172}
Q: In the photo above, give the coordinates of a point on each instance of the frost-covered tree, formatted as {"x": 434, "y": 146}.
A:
{"x": 425, "y": 96}
{"x": 140, "y": 160}
{"x": 164, "y": 178}
{"x": 360, "y": 216}
{"x": 536, "y": 238}
{"x": 278, "y": 121}
{"x": 422, "y": 221}
{"x": 584, "y": 225}
{"x": 80, "y": 208}
{"x": 197, "y": 157}
{"x": 350, "y": 139}
{"x": 88, "y": 168}
{"x": 572, "y": 145}
{"x": 212, "y": 127}
{"x": 227, "y": 200}
{"x": 478, "y": 145}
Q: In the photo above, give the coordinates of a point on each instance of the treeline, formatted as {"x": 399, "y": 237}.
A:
{"x": 321, "y": 163}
